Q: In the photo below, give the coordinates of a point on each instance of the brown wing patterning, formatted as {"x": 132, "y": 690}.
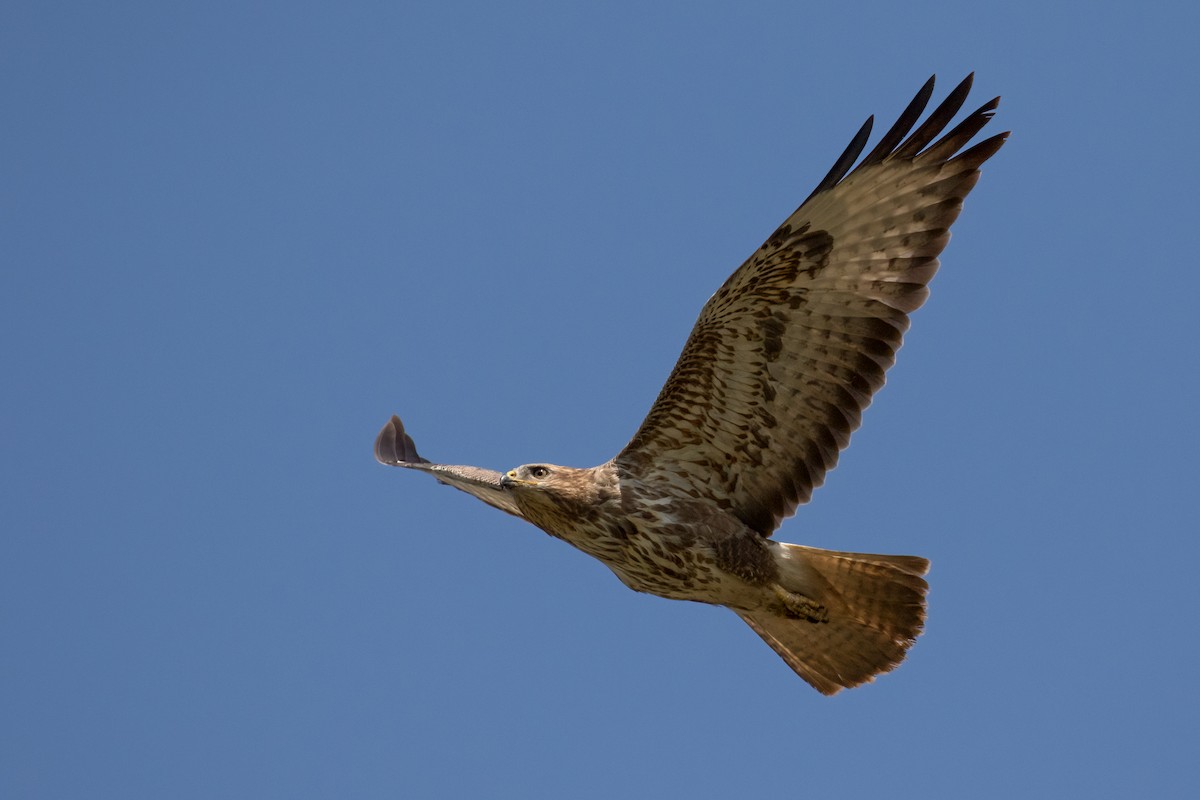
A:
{"x": 789, "y": 351}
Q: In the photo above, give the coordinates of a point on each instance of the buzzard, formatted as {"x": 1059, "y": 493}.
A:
{"x": 771, "y": 382}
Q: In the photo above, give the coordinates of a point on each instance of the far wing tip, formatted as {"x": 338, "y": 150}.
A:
{"x": 394, "y": 447}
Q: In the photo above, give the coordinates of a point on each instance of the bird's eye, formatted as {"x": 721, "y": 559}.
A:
{"x": 539, "y": 472}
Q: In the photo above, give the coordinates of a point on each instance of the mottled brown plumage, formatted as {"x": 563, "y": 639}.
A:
{"x": 771, "y": 383}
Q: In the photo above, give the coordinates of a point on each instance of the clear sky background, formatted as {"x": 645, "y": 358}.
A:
{"x": 236, "y": 237}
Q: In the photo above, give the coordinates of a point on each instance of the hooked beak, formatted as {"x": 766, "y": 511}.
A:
{"x": 509, "y": 479}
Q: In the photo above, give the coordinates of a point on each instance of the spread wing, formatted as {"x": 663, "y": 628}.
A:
{"x": 395, "y": 447}
{"x": 788, "y": 352}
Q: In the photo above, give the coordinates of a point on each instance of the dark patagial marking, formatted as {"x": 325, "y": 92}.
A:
{"x": 815, "y": 247}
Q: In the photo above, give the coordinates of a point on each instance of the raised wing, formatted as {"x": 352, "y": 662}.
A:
{"x": 396, "y": 448}
{"x": 788, "y": 352}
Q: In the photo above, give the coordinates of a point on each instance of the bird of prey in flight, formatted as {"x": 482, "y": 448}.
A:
{"x": 770, "y": 384}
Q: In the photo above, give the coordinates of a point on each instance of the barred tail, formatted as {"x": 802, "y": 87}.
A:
{"x": 875, "y": 610}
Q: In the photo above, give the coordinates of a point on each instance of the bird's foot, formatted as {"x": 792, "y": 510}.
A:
{"x": 797, "y": 606}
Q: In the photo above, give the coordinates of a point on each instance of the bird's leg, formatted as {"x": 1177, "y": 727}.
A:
{"x": 798, "y": 606}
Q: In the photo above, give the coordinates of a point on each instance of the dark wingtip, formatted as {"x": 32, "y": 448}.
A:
{"x": 902, "y": 126}
{"x": 847, "y": 159}
{"x": 938, "y": 119}
{"x": 395, "y": 447}
{"x": 891, "y": 145}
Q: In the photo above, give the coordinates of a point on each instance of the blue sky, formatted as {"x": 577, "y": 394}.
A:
{"x": 237, "y": 237}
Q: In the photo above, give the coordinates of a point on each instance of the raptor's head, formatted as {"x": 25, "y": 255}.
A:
{"x": 537, "y": 476}
{"x": 556, "y": 498}
{"x": 565, "y": 486}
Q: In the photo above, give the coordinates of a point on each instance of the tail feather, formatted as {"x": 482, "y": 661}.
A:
{"x": 875, "y": 605}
